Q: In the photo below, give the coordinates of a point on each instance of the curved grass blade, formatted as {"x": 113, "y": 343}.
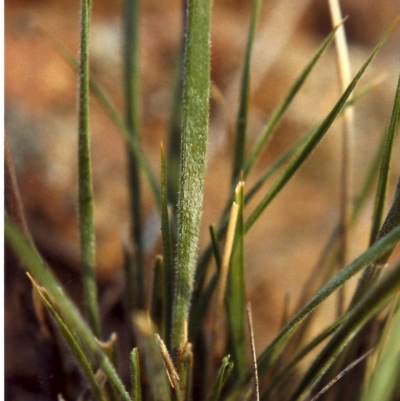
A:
{"x": 83, "y": 360}
{"x": 384, "y": 168}
{"x": 241, "y": 124}
{"x": 276, "y": 117}
{"x": 272, "y": 352}
{"x": 318, "y": 134}
{"x": 86, "y": 213}
{"x": 285, "y": 372}
{"x": 73, "y": 320}
{"x": 193, "y": 158}
{"x": 131, "y": 86}
{"x": 135, "y": 376}
{"x": 369, "y": 306}
{"x": 384, "y": 381}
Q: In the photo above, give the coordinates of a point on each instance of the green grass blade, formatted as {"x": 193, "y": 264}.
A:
{"x": 274, "y": 168}
{"x": 83, "y": 360}
{"x": 236, "y": 292}
{"x": 272, "y": 352}
{"x": 152, "y": 357}
{"x": 222, "y": 376}
{"x": 285, "y": 371}
{"x": 276, "y": 117}
{"x": 368, "y": 307}
{"x": 194, "y": 146}
{"x": 372, "y": 272}
{"x": 318, "y": 134}
{"x": 86, "y": 213}
{"x": 241, "y": 124}
{"x": 132, "y": 112}
{"x": 135, "y": 376}
{"x": 384, "y": 381}
{"x": 381, "y": 191}
{"x": 71, "y": 316}
{"x": 167, "y": 254}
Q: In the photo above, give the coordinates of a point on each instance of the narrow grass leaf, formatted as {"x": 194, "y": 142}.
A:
{"x": 132, "y": 118}
{"x": 79, "y": 353}
{"x": 71, "y": 316}
{"x": 264, "y": 177}
{"x": 318, "y": 134}
{"x": 384, "y": 381}
{"x": 381, "y": 190}
{"x": 193, "y": 158}
{"x": 135, "y": 376}
{"x": 86, "y": 213}
{"x": 241, "y": 124}
{"x": 272, "y": 352}
{"x": 236, "y": 292}
{"x": 369, "y": 306}
{"x": 277, "y": 115}
{"x": 304, "y": 351}
{"x": 372, "y": 272}
{"x": 222, "y": 376}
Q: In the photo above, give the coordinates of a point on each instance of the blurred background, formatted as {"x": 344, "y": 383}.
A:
{"x": 41, "y": 128}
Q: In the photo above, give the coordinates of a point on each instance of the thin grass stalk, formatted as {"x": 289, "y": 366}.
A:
{"x": 340, "y": 375}
{"x": 369, "y": 306}
{"x": 318, "y": 134}
{"x": 193, "y": 158}
{"x": 74, "y": 321}
{"x": 347, "y": 150}
{"x": 86, "y": 213}
{"x": 241, "y": 123}
{"x": 132, "y": 118}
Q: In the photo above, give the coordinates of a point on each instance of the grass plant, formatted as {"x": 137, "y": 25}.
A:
{"x": 172, "y": 357}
